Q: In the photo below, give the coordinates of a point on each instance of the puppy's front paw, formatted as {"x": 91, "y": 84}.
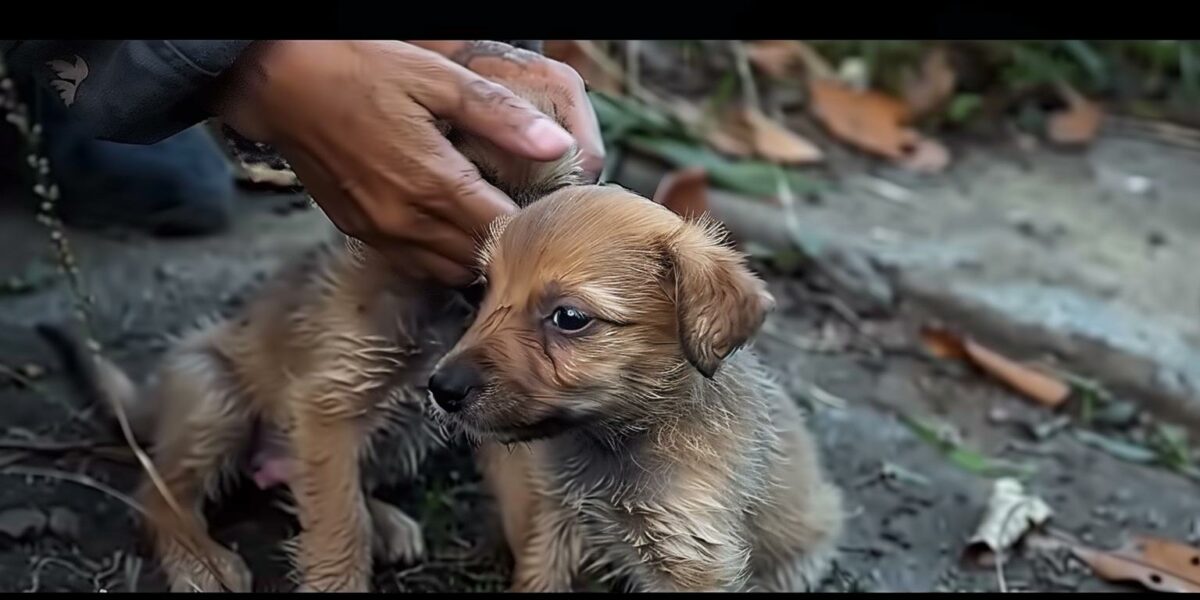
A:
{"x": 397, "y": 538}
{"x": 192, "y": 575}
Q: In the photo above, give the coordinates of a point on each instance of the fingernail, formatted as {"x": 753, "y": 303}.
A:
{"x": 546, "y": 136}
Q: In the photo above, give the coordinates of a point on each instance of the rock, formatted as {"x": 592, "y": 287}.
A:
{"x": 64, "y": 523}
{"x": 858, "y": 280}
{"x": 22, "y": 523}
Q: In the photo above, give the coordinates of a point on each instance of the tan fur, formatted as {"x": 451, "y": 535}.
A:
{"x": 332, "y": 354}
{"x": 656, "y": 449}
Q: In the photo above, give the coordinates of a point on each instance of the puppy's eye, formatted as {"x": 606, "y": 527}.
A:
{"x": 569, "y": 319}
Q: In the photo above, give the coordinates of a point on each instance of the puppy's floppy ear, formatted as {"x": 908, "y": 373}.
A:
{"x": 719, "y": 302}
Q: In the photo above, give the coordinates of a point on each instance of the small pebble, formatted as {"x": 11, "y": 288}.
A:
{"x": 1193, "y": 536}
{"x": 1155, "y": 519}
{"x": 32, "y": 371}
{"x": 998, "y": 415}
{"x": 64, "y": 523}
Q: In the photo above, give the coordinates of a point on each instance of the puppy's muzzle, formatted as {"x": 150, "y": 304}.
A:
{"x": 454, "y": 383}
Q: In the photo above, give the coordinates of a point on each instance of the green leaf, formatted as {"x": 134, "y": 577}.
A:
{"x": 1092, "y": 62}
{"x": 963, "y": 107}
{"x": 1123, "y": 450}
{"x": 966, "y": 459}
{"x": 621, "y": 115}
{"x": 751, "y": 177}
{"x": 1170, "y": 442}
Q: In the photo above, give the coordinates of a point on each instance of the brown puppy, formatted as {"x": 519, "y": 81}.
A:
{"x": 607, "y": 341}
{"x": 320, "y": 382}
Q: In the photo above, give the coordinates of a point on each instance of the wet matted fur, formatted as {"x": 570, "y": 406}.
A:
{"x": 608, "y": 354}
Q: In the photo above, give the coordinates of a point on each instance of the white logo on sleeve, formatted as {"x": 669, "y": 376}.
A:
{"x": 68, "y": 77}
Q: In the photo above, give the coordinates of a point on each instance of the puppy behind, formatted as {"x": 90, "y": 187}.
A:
{"x": 608, "y": 340}
{"x": 318, "y": 384}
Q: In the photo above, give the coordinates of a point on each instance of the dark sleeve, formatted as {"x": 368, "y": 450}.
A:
{"x": 132, "y": 91}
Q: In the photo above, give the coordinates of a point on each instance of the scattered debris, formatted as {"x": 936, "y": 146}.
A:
{"x": 885, "y": 189}
{"x": 22, "y": 523}
{"x": 868, "y": 120}
{"x": 1159, "y": 564}
{"x": 1041, "y": 387}
{"x": 948, "y": 442}
{"x": 781, "y": 58}
{"x": 576, "y": 55}
{"x": 930, "y": 89}
{"x": 1076, "y": 125}
{"x": 259, "y": 174}
{"x": 685, "y": 192}
{"x": 1044, "y": 430}
{"x": 29, "y": 523}
{"x": 1009, "y": 515}
{"x": 1121, "y": 449}
{"x": 927, "y": 156}
{"x": 63, "y": 523}
{"x": 746, "y": 132}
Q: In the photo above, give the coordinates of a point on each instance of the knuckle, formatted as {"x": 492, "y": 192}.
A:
{"x": 393, "y": 223}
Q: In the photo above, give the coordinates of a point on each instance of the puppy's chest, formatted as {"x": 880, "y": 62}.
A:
{"x": 400, "y": 429}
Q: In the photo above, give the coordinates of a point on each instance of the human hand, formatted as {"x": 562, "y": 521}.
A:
{"x": 356, "y": 121}
{"x": 513, "y": 67}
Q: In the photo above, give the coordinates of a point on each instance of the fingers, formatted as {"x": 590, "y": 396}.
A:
{"x": 423, "y": 264}
{"x": 420, "y": 246}
{"x": 470, "y": 203}
{"x": 582, "y": 122}
{"x": 489, "y": 110}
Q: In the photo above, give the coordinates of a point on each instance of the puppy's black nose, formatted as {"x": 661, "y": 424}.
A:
{"x": 452, "y": 383}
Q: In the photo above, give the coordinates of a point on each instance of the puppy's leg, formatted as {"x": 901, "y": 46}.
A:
{"x": 797, "y": 531}
{"x": 202, "y": 428}
{"x": 507, "y": 476}
{"x": 334, "y": 550}
{"x": 398, "y": 538}
{"x": 552, "y": 556}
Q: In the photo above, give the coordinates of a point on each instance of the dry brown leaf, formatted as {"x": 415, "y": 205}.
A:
{"x": 746, "y": 131}
{"x": 1010, "y": 514}
{"x": 929, "y": 89}
{"x": 1043, "y": 388}
{"x": 927, "y": 156}
{"x": 1078, "y": 123}
{"x": 1034, "y": 384}
{"x": 1161, "y": 565}
{"x": 730, "y": 144}
{"x": 685, "y": 192}
{"x": 780, "y": 58}
{"x": 868, "y": 120}
{"x": 943, "y": 343}
{"x": 570, "y": 52}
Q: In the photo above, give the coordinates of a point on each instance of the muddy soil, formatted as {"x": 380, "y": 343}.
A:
{"x": 906, "y": 533}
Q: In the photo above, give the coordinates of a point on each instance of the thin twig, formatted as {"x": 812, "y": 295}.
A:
{"x": 106, "y": 451}
{"x": 1000, "y": 572}
{"x": 76, "y": 478}
{"x": 44, "y": 561}
{"x": 48, "y": 445}
{"x": 745, "y": 75}
{"x": 16, "y": 376}
{"x": 633, "y": 63}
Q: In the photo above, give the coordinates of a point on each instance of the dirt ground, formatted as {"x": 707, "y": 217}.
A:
{"x": 912, "y": 508}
